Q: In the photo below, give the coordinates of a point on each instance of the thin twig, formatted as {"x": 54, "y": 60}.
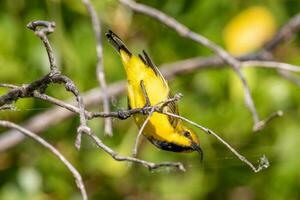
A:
{"x": 5, "y": 85}
{"x": 57, "y": 102}
{"x": 263, "y": 162}
{"x": 100, "y": 69}
{"x": 138, "y": 137}
{"x": 42, "y": 29}
{"x": 149, "y": 165}
{"x": 261, "y": 124}
{"x": 53, "y": 150}
{"x": 271, "y": 64}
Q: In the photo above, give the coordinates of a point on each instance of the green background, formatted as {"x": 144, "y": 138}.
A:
{"x": 28, "y": 171}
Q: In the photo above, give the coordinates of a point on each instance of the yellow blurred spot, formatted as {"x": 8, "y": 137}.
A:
{"x": 249, "y": 30}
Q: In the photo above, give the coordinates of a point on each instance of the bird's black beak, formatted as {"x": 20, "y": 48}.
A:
{"x": 197, "y": 148}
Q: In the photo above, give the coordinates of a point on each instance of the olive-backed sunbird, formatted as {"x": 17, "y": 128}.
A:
{"x": 145, "y": 84}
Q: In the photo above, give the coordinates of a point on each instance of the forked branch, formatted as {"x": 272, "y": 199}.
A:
{"x": 42, "y": 29}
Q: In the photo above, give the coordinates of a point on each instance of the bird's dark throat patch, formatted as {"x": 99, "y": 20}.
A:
{"x": 167, "y": 146}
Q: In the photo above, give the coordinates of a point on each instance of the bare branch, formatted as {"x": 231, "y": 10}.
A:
{"x": 42, "y": 29}
{"x": 261, "y": 124}
{"x": 263, "y": 162}
{"x": 100, "y": 69}
{"x": 53, "y": 150}
{"x": 55, "y": 101}
{"x": 11, "y": 86}
{"x": 138, "y": 137}
{"x": 149, "y": 165}
{"x": 271, "y": 64}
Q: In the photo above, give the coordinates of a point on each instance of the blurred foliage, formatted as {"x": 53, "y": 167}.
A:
{"x": 213, "y": 98}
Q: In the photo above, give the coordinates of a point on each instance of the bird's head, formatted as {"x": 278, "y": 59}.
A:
{"x": 192, "y": 140}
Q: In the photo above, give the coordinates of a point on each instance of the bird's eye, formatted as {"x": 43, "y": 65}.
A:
{"x": 187, "y": 134}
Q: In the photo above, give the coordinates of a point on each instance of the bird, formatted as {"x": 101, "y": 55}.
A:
{"x": 146, "y": 85}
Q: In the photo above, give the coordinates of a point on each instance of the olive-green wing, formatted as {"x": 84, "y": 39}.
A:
{"x": 171, "y": 107}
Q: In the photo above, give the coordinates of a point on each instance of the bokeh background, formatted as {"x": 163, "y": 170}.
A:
{"x": 212, "y": 97}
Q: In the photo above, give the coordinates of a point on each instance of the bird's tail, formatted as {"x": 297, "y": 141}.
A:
{"x": 117, "y": 43}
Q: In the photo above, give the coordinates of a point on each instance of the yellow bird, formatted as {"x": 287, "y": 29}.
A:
{"x": 146, "y": 85}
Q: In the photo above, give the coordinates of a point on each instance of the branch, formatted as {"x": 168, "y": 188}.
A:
{"x": 100, "y": 70}
{"x": 42, "y": 29}
{"x": 138, "y": 137}
{"x": 53, "y": 150}
{"x": 263, "y": 161}
{"x": 261, "y": 124}
{"x": 11, "y": 86}
{"x": 149, "y": 165}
